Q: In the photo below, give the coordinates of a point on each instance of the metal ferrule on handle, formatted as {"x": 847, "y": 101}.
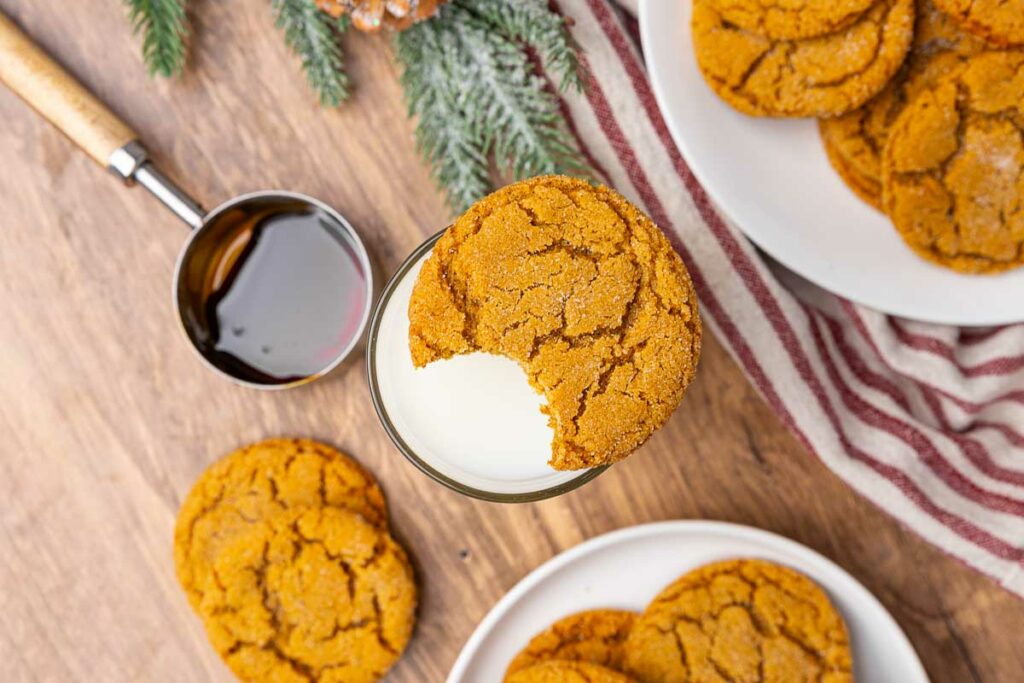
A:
{"x": 131, "y": 163}
{"x": 56, "y": 95}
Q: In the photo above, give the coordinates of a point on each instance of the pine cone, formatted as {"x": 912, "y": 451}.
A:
{"x": 370, "y": 15}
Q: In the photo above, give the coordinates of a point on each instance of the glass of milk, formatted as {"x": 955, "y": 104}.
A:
{"x": 471, "y": 422}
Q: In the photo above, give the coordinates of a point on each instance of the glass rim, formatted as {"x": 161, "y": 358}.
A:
{"x": 396, "y": 437}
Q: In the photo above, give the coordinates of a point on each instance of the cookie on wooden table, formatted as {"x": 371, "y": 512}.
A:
{"x": 595, "y": 636}
{"x": 824, "y": 76}
{"x": 740, "y": 620}
{"x": 567, "y": 672}
{"x": 260, "y": 480}
{"x": 787, "y": 20}
{"x": 1000, "y": 22}
{"x": 953, "y": 167}
{"x": 315, "y": 594}
{"x": 584, "y": 291}
{"x": 855, "y": 140}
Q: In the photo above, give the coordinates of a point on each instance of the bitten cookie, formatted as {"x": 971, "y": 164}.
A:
{"x": 953, "y": 168}
{"x": 1000, "y": 22}
{"x": 787, "y": 20}
{"x": 740, "y": 620}
{"x": 315, "y": 594}
{"x": 596, "y": 636}
{"x": 585, "y": 292}
{"x": 824, "y": 76}
{"x": 855, "y": 140}
{"x": 567, "y": 672}
{"x": 256, "y": 482}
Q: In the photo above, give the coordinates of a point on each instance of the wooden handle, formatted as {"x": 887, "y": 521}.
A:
{"x": 55, "y": 94}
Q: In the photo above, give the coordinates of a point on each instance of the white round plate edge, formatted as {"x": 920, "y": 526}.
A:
{"x": 981, "y": 309}
{"x": 812, "y": 559}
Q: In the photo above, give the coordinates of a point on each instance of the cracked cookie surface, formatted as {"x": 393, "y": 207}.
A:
{"x": 260, "y": 480}
{"x": 865, "y": 185}
{"x": 1001, "y": 22}
{"x": 790, "y": 19}
{"x": 581, "y": 289}
{"x": 315, "y": 594}
{"x": 823, "y": 76}
{"x": 953, "y": 167}
{"x": 567, "y": 672}
{"x": 740, "y": 620}
{"x": 595, "y": 636}
{"x": 855, "y": 140}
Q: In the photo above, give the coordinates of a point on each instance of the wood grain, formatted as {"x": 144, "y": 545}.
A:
{"x": 50, "y": 90}
{"x": 107, "y": 418}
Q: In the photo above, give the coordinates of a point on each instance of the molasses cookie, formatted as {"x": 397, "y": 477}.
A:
{"x": 854, "y": 141}
{"x": 849, "y": 165}
{"x": 315, "y": 594}
{"x": 585, "y": 292}
{"x": 256, "y": 482}
{"x": 953, "y": 167}
{"x": 740, "y": 620}
{"x": 823, "y": 76}
{"x": 597, "y": 636}
{"x": 1000, "y": 22}
{"x": 567, "y": 672}
{"x": 787, "y": 20}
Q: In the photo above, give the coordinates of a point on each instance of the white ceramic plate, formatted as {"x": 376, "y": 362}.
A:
{"x": 626, "y": 569}
{"x": 771, "y": 178}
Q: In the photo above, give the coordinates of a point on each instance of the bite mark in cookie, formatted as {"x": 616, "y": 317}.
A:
{"x": 582, "y": 290}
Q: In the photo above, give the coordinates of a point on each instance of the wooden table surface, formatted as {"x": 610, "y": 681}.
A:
{"x": 107, "y": 418}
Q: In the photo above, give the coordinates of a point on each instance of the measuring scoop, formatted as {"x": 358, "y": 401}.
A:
{"x": 273, "y": 289}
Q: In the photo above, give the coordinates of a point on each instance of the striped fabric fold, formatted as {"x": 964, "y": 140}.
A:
{"x": 925, "y": 421}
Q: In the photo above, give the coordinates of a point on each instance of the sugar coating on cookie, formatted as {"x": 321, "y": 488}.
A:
{"x": 790, "y": 19}
{"x": 308, "y": 595}
{"x": 1001, "y": 22}
{"x": 595, "y": 636}
{"x": 740, "y": 620}
{"x": 567, "y": 672}
{"x": 824, "y": 76}
{"x": 260, "y": 480}
{"x": 953, "y": 168}
{"x": 855, "y": 140}
{"x": 584, "y": 291}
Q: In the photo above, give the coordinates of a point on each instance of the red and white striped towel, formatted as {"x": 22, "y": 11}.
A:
{"x": 926, "y": 421}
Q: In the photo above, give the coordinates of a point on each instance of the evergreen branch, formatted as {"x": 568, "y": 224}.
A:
{"x": 532, "y": 22}
{"x": 313, "y": 35}
{"x": 475, "y": 93}
{"x": 508, "y": 105}
{"x": 164, "y": 29}
{"x": 431, "y": 80}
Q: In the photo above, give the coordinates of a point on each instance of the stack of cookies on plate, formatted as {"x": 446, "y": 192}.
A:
{"x": 921, "y": 107}
{"x": 737, "y": 620}
{"x": 283, "y": 550}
